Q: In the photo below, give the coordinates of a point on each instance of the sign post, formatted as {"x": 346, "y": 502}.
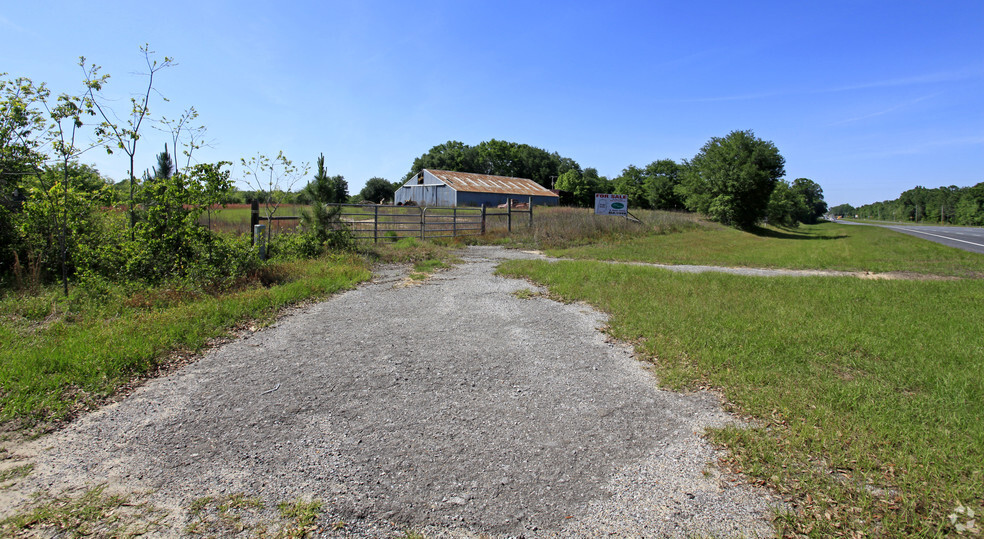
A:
{"x": 612, "y": 205}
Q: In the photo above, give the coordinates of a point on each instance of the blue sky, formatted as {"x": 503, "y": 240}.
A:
{"x": 868, "y": 99}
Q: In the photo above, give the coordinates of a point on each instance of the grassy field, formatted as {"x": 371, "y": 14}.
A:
{"x": 865, "y": 396}
{"x": 66, "y": 354}
{"x": 823, "y": 246}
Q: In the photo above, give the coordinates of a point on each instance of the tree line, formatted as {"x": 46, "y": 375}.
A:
{"x": 944, "y": 205}
{"x": 736, "y": 179}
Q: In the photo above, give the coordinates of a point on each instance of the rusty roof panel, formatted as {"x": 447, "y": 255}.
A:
{"x": 483, "y": 183}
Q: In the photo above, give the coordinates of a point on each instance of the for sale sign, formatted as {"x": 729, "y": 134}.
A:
{"x": 611, "y": 204}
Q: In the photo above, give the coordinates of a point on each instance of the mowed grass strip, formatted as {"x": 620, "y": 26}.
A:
{"x": 827, "y": 245}
{"x": 56, "y": 358}
{"x": 868, "y": 394}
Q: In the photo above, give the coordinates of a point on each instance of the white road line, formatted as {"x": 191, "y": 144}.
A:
{"x": 938, "y": 236}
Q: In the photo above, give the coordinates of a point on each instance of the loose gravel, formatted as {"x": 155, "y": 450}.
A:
{"x": 453, "y": 407}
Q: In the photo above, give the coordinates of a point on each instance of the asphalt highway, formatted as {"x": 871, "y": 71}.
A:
{"x": 966, "y": 238}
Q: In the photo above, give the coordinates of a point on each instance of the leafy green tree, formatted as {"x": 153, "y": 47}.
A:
{"x": 600, "y": 184}
{"x": 845, "y": 210}
{"x": 495, "y": 157}
{"x": 785, "y": 205}
{"x": 580, "y": 187}
{"x": 662, "y": 178}
{"x": 731, "y": 178}
{"x": 812, "y": 206}
{"x": 377, "y": 190}
{"x": 632, "y": 182}
{"x": 22, "y": 138}
{"x": 451, "y": 155}
{"x": 120, "y": 136}
{"x": 970, "y": 206}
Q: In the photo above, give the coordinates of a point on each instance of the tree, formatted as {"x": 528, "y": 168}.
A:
{"x": 323, "y": 188}
{"x": 495, "y": 157}
{"x": 785, "y": 205}
{"x": 22, "y": 129}
{"x": 813, "y": 206}
{"x": 272, "y": 178}
{"x": 731, "y": 178}
{"x": 579, "y": 186}
{"x": 124, "y": 137}
{"x": 970, "y": 206}
{"x": 66, "y": 120}
{"x": 843, "y": 210}
{"x": 182, "y": 128}
{"x": 165, "y": 165}
{"x": 451, "y": 155}
{"x": 377, "y": 190}
{"x": 662, "y": 178}
{"x": 632, "y": 183}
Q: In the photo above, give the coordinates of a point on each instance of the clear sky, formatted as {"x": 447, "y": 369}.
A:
{"x": 866, "y": 98}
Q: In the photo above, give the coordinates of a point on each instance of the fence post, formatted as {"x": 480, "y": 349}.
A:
{"x": 454, "y": 222}
{"x": 254, "y": 218}
{"x": 423, "y": 221}
{"x": 375, "y": 224}
{"x": 259, "y": 240}
{"x": 483, "y": 218}
{"x": 508, "y": 214}
{"x": 530, "y": 207}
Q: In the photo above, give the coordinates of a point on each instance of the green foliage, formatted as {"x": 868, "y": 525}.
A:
{"x": 324, "y": 188}
{"x": 377, "y": 191}
{"x": 731, "y": 178}
{"x": 52, "y": 214}
{"x": 785, "y": 205}
{"x": 580, "y": 187}
{"x": 812, "y": 206}
{"x": 951, "y": 204}
{"x": 63, "y": 353}
{"x": 632, "y": 183}
{"x": 662, "y": 178}
{"x": 845, "y": 210}
{"x": 496, "y": 157}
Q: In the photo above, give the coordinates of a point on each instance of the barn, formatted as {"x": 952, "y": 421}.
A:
{"x": 446, "y": 188}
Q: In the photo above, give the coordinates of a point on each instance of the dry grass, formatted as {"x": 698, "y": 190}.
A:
{"x": 562, "y": 227}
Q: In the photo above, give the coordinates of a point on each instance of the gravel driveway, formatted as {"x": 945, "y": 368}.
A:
{"x": 452, "y": 407}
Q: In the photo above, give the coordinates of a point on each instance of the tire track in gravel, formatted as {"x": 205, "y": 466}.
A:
{"x": 452, "y": 407}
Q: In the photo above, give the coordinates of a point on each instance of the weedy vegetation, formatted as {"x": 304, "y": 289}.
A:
{"x": 93, "y": 512}
{"x": 63, "y": 354}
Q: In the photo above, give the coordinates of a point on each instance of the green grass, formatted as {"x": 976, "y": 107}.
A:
{"x": 868, "y": 394}
{"x": 93, "y": 513}
{"x": 61, "y": 355}
{"x": 827, "y": 246}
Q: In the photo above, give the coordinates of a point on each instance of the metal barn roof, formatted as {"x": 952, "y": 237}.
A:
{"x": 483, "y": 183}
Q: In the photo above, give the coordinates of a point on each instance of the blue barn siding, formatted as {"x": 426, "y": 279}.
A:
{"x": 471, "y": 198}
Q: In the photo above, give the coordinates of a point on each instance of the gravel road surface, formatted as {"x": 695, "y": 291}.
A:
{"x": 451, "y": 407}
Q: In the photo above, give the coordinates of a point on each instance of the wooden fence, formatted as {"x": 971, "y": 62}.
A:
{"x": 377, "y": 222}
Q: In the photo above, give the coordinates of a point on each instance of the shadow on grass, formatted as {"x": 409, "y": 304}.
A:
{"x": 789, "y": 234}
